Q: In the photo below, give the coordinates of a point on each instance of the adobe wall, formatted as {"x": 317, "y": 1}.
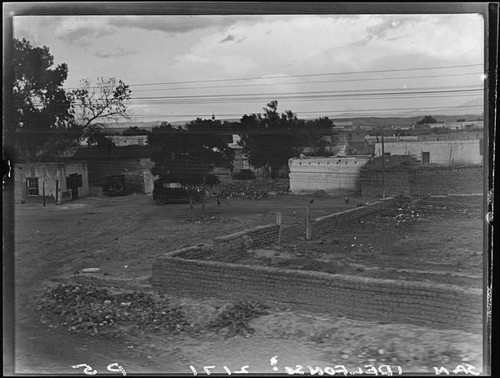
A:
{"x": 425, "y": 181}
{"x": 334, "y": 175}
{"x": 459, "y": 180}
{"x": 434, "y": 305}
{"x": 209, "y": 270}
{"x": 329, "y": 223}
{"x": 233, "y": 247}
{"x": 444, "y": 153}
{"x": 396, "y": 182}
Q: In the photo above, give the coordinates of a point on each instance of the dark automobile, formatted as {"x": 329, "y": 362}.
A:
{"x": 164, "y": 192}
{"x": 115, "y": 185}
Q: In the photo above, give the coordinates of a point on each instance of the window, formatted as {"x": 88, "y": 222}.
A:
{"x": 426, "y": 157}
{"x": 32, "y": 186}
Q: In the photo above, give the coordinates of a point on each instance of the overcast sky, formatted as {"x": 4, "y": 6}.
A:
{"x": 180, "y": 67}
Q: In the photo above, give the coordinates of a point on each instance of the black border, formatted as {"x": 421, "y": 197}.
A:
{"x": 489, "y": 10}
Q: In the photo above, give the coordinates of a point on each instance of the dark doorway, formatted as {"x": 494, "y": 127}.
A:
{"x": 426, "y": 157}
{"x": 73, "y": 182}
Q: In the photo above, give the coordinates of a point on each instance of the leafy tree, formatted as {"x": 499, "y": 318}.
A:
{"x": 189, "y": 155}
{"x": 134, "y": 130}
{"x": 95, "y": 104}
{"x": 427, "y": 119}
{"x": 272, "y": 138}
{"x": 97, "y": 136}
{"x": 43, "y": 123}
{"x": 315, "y": 138}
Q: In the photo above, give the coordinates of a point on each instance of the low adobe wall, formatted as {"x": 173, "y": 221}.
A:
{"x": 424, "y": 181}
{"x": 440, "y": 306}
{"x": 234, "y": 246}
{"x": 395, "y": 182}
{"x": 210, "y": 270}
{"x": 328, "y": 224}
{"x": 457, "y": 180}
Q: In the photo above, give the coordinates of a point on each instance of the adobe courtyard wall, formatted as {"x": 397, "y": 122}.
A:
{"x": 211, "y": 270}
{"x": 182, "y": 273}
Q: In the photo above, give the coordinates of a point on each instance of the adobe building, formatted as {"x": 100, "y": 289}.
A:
{"x": 442, "y": 152}
{"x": 59, "y": 181}
{"x": 333, "y": 175}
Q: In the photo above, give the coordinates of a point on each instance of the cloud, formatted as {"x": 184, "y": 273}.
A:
{"x": 388, "y": 26}
{"x": 229, "y": 37}
{"x": 178, "y": 24}
{"x": 114, "y": 53}
{"x": 32, "y": 27}
{"x": 83, "y": 31}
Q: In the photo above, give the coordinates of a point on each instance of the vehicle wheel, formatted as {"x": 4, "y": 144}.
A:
{"x": 161, "y": 200}
{"x": 197, "y": 198}
{"x": 118, "y": 187}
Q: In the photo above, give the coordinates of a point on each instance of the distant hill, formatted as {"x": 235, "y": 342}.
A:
{"x": 404, "y": 121}
{"x": 118, "y": 128}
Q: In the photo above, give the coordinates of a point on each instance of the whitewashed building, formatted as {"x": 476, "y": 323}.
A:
{"x": 445, "y": 153}
{"x": 333, "y": 175}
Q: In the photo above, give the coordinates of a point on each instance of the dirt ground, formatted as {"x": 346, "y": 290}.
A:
{"x": 123, "y": 235}
{"x": 419, "y": 241}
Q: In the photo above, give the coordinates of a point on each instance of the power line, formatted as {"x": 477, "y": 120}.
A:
{"x": 291, "y": 100}
{"x": 320, "y": 112}
{"x": 308, "y": 75}
{"x": 298, "y": 98}
{"x": 426, "y": 92}
{"x": 226, "y": 101}
{"x": 308, "y": 82}
{"x": 270, "y": 77}
{"x": 313, "y": 93}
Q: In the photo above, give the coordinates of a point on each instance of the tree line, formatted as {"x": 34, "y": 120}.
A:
{"x": 49, "y": 119}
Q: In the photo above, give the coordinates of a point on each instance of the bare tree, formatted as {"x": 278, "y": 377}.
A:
{"x": 94, "y": 105}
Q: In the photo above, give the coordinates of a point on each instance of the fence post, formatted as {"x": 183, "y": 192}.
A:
{"x": 308, "y": 222}
{"x": 43, "y": 191}
{"x": 57, "y": 192}
{"x": 278, "y": 222}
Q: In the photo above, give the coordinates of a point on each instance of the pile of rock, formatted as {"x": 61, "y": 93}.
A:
{"x": 407, "y": 210}
{"x": 89, "y": 309}
{"x": 253, "y": 189}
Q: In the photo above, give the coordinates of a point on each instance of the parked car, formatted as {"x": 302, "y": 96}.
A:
{"x": 124, "y": 184}
{"x": 115, "y": 185}
{"x": 165, "y": 192}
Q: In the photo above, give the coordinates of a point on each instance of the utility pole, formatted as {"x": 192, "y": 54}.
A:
{"x": 383, "y": 165}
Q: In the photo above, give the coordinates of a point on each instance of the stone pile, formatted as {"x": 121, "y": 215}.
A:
{"x": 92, "y": 310}
{"x": 253, "y": 189}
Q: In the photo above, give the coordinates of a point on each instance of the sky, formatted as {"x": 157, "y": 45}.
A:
{"x": 183, "y": 67}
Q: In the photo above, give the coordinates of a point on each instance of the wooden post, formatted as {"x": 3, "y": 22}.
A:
{"x": 57, "y": 192}
{"x": 383, "y": 166}
{"x": 278, "y": 222}
{"x": 308, "y": 222}
{"x": 43, "y": 192}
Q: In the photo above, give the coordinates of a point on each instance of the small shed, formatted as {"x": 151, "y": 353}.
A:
{"x": 59, "y": 181}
